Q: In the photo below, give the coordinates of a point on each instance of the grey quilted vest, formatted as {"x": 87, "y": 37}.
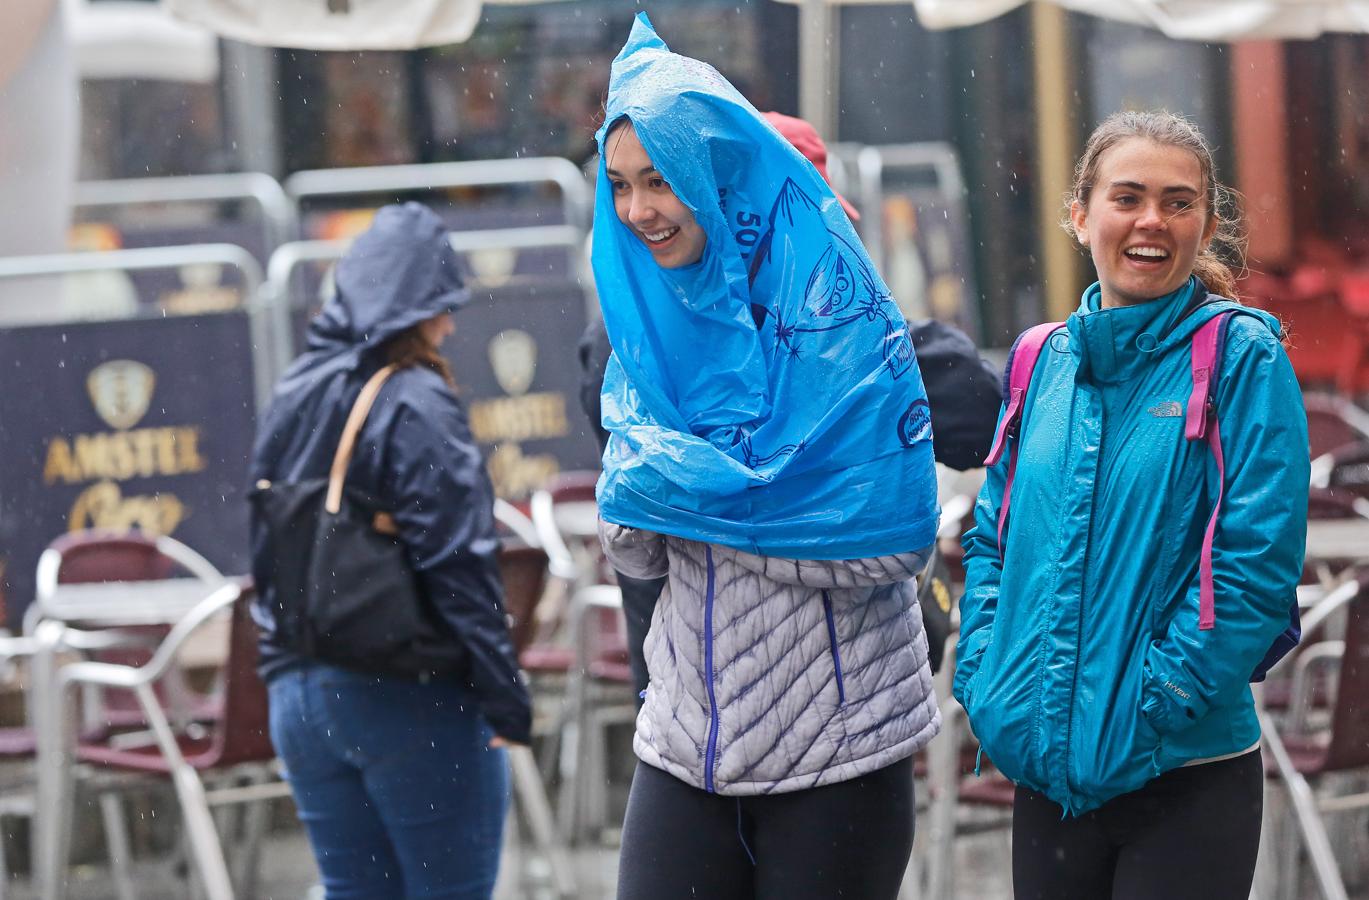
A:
{"x": 772, "y": 675}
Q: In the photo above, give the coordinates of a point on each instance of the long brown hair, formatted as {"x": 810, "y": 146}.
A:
{"x": 409, "y": 348}
{"x": 1219, "y": 264}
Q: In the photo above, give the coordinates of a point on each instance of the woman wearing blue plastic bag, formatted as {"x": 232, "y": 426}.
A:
{"x": 771, "y": 454}
{"x": 1157, "y": 482}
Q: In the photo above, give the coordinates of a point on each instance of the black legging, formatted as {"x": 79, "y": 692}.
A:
{"x": 850, "y": 839}
{"x": 1190, "y": 833}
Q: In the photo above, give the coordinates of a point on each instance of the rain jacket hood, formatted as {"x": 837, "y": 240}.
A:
{"x": 400, "y": 272}
{"x": 766, "y": 397}
{"x": 1081, "y": 664}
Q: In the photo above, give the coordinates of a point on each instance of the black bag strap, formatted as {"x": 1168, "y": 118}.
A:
{"x": 355, "y": 419}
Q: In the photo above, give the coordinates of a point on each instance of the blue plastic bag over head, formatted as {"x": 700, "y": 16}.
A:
{"x": 766, "y": 397}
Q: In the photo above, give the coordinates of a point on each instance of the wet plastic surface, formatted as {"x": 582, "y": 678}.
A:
{"x": 766, "y": 397}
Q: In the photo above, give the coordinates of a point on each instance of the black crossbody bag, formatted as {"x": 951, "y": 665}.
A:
{"x": 343, "y": 587}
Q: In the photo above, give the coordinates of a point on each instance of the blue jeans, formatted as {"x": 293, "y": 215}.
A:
{"x": 393, "y": 781}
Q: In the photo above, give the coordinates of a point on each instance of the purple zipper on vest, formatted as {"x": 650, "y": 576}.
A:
{"x": 712, "y": 754}
{"x": 832, "y": 637}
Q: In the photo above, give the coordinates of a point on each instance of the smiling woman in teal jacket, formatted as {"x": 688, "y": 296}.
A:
{"x": 1131, "y": 732}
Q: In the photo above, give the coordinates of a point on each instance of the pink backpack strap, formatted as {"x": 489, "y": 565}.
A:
{"x": 1021, "y": 364}
{"x": 1200, "y": 423}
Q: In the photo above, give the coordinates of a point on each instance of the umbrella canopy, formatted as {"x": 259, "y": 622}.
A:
{"x": 127, "y": 39}
{"x": 1194, "y": 20}
{"x": 339, "y": 24}
{"x": 335, "y": 24}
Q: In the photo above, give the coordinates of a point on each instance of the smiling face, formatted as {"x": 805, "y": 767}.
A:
{"x": 647, "y": 205}
{"x": 1145, "y": 221}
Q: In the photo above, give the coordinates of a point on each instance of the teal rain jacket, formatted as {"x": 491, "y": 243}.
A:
{"x": 1082, "y": 668}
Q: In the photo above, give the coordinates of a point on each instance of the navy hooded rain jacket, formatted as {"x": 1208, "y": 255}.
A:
{"x": 415, "y": 454}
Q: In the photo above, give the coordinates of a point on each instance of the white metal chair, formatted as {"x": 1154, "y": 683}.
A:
{"x": 102, "y": 593}
{"x": 231, "y": 750}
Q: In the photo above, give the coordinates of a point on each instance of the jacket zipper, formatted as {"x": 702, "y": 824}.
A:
{"x": 1079, "y": 628}
{"x": 832, "y": 639}
{"x": 711, "y": 756}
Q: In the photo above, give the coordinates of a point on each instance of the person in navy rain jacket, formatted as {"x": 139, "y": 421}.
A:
{"x": 400, "y": 782}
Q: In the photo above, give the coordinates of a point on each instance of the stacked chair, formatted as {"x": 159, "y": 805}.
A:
{"x": 598, "y": 680}
{"x": 527, "y": 570}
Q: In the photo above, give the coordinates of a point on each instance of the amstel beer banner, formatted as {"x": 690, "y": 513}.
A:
{"x": 515, "y": 363}
{"x": 140, "y": 424}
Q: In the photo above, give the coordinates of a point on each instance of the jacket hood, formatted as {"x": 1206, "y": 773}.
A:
{"x": 1111, "y": 343}
{"x": 398, "y": 273}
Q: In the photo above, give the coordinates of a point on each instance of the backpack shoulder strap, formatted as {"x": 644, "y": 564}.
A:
{"x": 1021, "y": 364}
{"x": 355, "y": 419}
{"x": 1200, "y": 423}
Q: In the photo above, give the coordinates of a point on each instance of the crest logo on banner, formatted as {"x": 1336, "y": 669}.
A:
{"x": 121, "y": 391}
{"x": 513, "y": 357}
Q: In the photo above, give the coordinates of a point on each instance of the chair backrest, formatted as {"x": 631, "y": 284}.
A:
{"x": 1333, "y": 422}
{"x": 128, "y": 577}
{"x": 1347, "y": 470}
{"x": 512, "y": 522}
{"x": 1326, "y": 503}
{"x": 244, "y": 733}
{"x": 94, "y": 556}
{"x": 567, "y": 517}
{"x": 574, "y": 506}
{"x": 524, "y": 570}
{"x": 130, "y": 581}
{"x": 573, "y": 486}
{"x": 1349, "y": 746}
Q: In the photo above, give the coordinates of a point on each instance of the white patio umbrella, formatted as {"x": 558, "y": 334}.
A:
{"x": 1197, "y": 20}
{"x": 338, "y": 24}
{"x": 334, "y": 24}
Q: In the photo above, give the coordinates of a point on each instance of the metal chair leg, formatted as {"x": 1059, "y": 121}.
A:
{"x": 255, "y": 819}
{"x": 1310, "y": 825}
{"x": 1265, "y": 886}
{"x": 532, "y": 799}
{"x": 117, "y": 842}
{"x": 595, "y": 790}
{"x": 943, "y": 781}
{"x": 53, "y": 814}
{"x": 4, "y": 866}
{"x": 199, "y": 823}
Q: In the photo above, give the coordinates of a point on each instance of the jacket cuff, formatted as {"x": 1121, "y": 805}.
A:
{"x": 1168, "y": 702}
{"x": 511, "y": 722}
{"x": 634, "y": 551}
{"x": 965, "y": 671}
